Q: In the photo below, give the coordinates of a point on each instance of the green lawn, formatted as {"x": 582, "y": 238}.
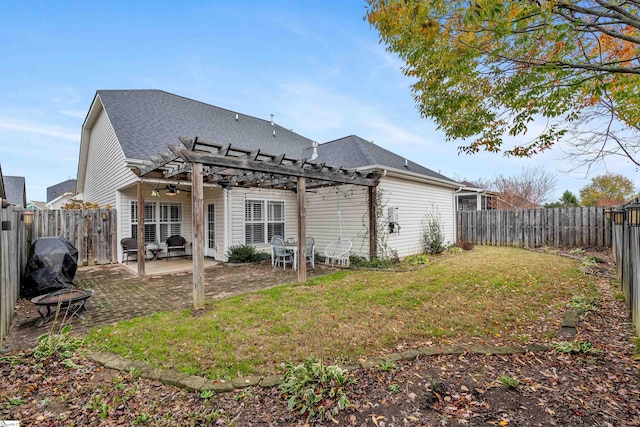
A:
{"x": 489, "y": 293}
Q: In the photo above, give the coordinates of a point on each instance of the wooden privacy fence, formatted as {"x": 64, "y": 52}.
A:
{"x": 13, "y": 258}
{"x": 626, "y": 250}
{"x": 91, "y": 231}
{"x": 557, "y": 227}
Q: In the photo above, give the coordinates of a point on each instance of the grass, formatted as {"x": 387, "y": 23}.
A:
{"x": 488, "y": 292}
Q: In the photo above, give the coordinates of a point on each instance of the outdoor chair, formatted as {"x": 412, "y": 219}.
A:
{"x": 129, "y": 247}
{"x": 178, "y": 244}
{"x": 311, "y": 248}
{"x": 273, "y": 259}
{"x": 338, "y": 252}
{"x": 280, "y": 253}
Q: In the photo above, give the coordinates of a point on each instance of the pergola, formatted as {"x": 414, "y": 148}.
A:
{"x": 199, "y": 161}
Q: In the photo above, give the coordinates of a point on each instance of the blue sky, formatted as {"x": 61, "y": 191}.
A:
{"x": 316, "y": 65}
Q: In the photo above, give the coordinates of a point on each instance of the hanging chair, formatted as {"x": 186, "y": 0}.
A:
{"x": 338, "y": 251}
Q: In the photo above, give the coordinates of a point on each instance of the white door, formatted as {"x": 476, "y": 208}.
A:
{"x": 210, "y": 231}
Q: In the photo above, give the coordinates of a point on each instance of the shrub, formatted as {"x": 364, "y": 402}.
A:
{"x": 432, "y": 235}
{"x": 583, "y": 304}
{"x": 416, "y": 260}
{"x": 240, "y": 254}
{"x": 464, "y": 245}
{"x": 362, "y": 262}
{"x": 508, "y": 382}
{"x": 315, "y": 389}
{"x": 575, "y": 348}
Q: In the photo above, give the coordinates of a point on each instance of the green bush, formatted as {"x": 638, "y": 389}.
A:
{"x": 241, "y": 254}
{"x": 433, "y": 236}
{"x": 315, "y": 389}
{"x": 416, "y": 260}
{"x": 382, "y": 263}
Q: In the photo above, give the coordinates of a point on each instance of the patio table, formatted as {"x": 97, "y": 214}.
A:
{"x": 293, "y": 247}
{"x": 71, "y": 299}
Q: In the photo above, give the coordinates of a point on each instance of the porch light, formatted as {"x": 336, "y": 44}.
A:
{"x": 618, "y": 216}
{"x": 633, "y": 213}
{"x": 155, "y": 193}
{"x": 103, "y": 215}
{"x": 28, "y": 217}
{"x": 607, "y": 214}
{"x": 171, "y": 192}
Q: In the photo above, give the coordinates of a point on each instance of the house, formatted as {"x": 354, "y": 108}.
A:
{"x": 61, "y": 200}
{"x": 126, "y": 130}
{"x": 15, "y": 190}
{"x": 3, "y": 194}
{"x": 34, "y": 205}
{"x": 470, "y": 198}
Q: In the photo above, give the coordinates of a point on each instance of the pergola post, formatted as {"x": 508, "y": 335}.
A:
{"x": 197, "y": 249}
{"x": 141, "y": 248}
{"x": 302, "y": 229}
{"x": 373, "y": 221}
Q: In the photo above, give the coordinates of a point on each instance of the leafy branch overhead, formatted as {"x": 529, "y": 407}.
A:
{"x": 486, "y": 69}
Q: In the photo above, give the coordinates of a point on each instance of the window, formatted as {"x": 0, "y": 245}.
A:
{"x": 263, "y": 219}
{"x": 170, "y": 220}
{"x": 161, "y": 220}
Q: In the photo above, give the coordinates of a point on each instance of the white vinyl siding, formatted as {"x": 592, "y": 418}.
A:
{"x": 106, "y": 170}
{"x": 322, "y": 217}
{"x": 415, "y": 201}
{"x": 236, "y": 214}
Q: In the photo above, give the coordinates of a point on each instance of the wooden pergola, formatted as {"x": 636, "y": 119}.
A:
{"x": 199, "y": 162}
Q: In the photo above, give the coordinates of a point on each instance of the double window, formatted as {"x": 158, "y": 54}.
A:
{"x": 263, "y": 219}
{"x": 161, "y": 220}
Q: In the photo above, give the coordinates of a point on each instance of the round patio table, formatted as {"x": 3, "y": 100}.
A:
{"x": 72, "y": 300}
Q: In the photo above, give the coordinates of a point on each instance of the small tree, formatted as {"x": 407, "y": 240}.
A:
{"x": 433, "y": 235}
{"x": 607, "y": 190}
{"x": 568, "y": 200}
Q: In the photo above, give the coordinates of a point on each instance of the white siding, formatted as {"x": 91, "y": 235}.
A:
{"x": 237, "y": 199}
{"x": 322, "y": 217}
{"x": 106, "y": 169}
{"x": 415, "y": 201}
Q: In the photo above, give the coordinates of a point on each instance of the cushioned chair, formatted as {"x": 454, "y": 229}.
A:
{"x": 178, "y": 244}
{"x": 129, "y": 247}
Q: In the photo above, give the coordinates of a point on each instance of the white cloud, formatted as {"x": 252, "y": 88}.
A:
{"x": 77, "y": 114}
{"x": 39, "y": 128}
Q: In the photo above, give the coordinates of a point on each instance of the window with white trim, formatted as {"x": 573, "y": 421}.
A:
{"x": 263, "y": 219}
{"x": 161, "y": 220}
{"x": 170, "y": 220}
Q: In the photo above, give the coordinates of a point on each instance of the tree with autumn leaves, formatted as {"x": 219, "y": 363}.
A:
{"x": 607, "y": 190}
{"x": 486, "y": 69}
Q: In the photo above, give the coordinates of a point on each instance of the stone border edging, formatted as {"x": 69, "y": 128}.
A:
{"x": 198, "y": 384}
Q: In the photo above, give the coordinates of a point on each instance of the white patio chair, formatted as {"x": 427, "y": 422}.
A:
{"x": 338, "y": 252}
{"x": 281, "y": 254}
{"x": 273, "y": 259}
{"x": 311, "y": 249}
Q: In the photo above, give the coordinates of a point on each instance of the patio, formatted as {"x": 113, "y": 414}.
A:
{"x": 171, "y": 266}
{"x": 119, "y": 294}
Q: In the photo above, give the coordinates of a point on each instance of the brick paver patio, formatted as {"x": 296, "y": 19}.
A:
{"x": 120, "y": 295}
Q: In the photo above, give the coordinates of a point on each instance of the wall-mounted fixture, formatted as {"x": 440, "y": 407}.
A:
{"x": 633, "y": 213}
{"x": 617, "y": 215}
{"x": 394, "y": 226}
{"x": 607, "y": 214}
{"x": 27, "y": 217}
{"x": 103, "y": 215}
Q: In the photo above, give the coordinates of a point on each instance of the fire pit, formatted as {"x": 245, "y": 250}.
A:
{"x": 72, "y": 300}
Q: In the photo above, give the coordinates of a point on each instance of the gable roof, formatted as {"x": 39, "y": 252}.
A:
{"x": 3, "y": 195}
{"x": 57, "y": 190}
{"x": 35, "y": 205}
{"x": 148, "y": 121}
{"x": 355, "y": 152}
{"x": 15, "y": 190}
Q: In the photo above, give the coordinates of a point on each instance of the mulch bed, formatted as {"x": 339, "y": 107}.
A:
{"x": 600, "y": 389}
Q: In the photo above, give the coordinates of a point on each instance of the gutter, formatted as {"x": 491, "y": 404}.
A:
{"x": 445, "y": 183}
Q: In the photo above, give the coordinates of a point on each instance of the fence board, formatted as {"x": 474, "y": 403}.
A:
{"x": 559, "y": 227}
{"x": 12, "y": 263}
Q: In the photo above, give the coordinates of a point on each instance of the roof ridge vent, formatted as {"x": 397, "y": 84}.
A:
{"x": 272, "y": 123}
{"x": 274, "y": 132}
{"x": 406, "y": 163}
{"x": 314, "y": 155}
{"x": 237, "y": 118}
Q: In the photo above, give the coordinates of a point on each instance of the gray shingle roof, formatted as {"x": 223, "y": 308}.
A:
{"x": 14, "y": 187}
{"x": 353, "y": 151}
{"x": 60, "y": 188}
{"x": 147, "y": 121}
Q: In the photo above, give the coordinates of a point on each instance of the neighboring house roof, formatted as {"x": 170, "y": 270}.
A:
{"x": 61, "y": 200}
{"x": 355, "y": 152}
{"x": 148, "y": 121}
{"x": 35, "y": 205}
{"x": 57, "y": 190}
{"x": 3, "y": 195}
{"x": 16, "y": 190}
